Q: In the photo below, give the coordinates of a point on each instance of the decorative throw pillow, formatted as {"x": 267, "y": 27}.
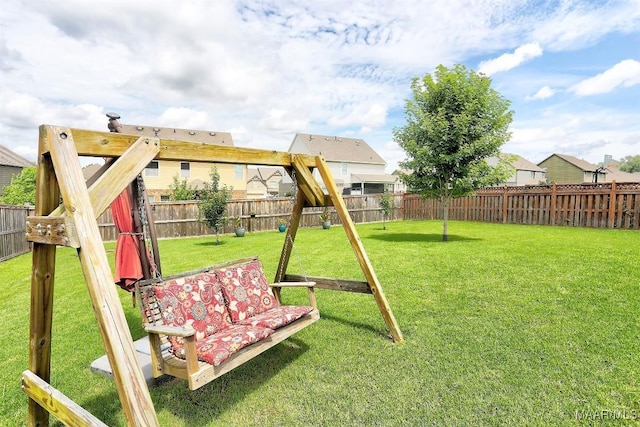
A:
{"x": 194, "y": 301}
{"x": 246, "y": 290}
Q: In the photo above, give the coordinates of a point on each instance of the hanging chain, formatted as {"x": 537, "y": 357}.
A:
{"x": 146, "y": 234}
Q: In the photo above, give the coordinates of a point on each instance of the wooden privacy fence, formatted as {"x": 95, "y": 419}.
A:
{"x": 180, "y": 219}
{"x": 12, "y": 231}
{"x": 601, "y": 205}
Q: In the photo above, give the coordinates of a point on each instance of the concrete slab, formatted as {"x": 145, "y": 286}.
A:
{"x": 101, "y": 365}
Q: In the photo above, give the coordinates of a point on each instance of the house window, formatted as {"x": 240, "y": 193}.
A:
{"x": 345, "y": 169}
{"x": 239, "y": 171}
{"x": 152, "y": 169}
{"x": 165, "y": 198}
{"x": 185, "y": 170}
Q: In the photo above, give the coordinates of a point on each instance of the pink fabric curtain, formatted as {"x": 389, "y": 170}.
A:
{"x": 128, "y": 265}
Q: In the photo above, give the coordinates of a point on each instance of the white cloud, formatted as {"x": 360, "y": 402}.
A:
{"x": 543, "y": 93}
{"x": 625, "y": 73}
{"x": 508, "y": 61}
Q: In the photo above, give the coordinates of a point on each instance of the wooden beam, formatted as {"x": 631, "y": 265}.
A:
{"x": 127, "y": 374}
{"x": 120, "y": 174}
{"x": 63, "y": 408}
{"x": 42, "y": 280}
{"x": 108, "y": 144}
{"x": 358, "y": 247}
{"x": 332, "y": 284}
{"x": 307, "y": 183}
{"x": 292, "y": 230}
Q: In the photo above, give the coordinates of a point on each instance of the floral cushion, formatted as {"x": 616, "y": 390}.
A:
{"x": 277, "y": 316}
{"x": 246, "y": 290}
{"x": 217, "y": 348}
{"x": 194, "y": 301}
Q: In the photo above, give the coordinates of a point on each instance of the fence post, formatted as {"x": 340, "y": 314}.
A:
{"x": 505, "y": 204}
{"x": 612, "y": 205}
{"x": 554, "y": 195}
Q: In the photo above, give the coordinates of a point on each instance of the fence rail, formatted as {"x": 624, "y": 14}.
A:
{"x": 605, "y": 205}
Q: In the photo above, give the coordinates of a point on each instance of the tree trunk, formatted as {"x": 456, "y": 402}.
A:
{"x": 445, "y": 219}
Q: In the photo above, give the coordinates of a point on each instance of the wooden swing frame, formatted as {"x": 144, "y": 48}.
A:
{"x": 74, "y": 224}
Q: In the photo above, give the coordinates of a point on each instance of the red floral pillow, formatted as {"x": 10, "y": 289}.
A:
{"x": 194, "y": 301}
{"x": 246, "y": 290}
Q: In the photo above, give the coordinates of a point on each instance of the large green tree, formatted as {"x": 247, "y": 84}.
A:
{"x": 454, "y": 123}
{"x": 630, "y": 164}
{"x": 213, "y": 206}
{"x": 22, "y": 188}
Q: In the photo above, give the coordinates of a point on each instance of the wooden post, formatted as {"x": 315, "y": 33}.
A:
{"x": 612, "y": 205}
{"x": 42, "y": 281}
{"x": 505, "y": 205}
{"x": 127, "y": 374}
{"x": 554, "y": 195}
{"x": 292, "y": 230}
{"x": 361, "y": 255}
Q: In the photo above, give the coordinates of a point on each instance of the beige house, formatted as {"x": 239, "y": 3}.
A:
{"x": 526, "y": 173}
{"x": 264, "y": 182}
{"x": 355, "y": 166}
{"x": 159, "y": 174}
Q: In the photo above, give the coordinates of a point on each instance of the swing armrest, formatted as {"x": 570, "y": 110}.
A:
{"x": 174, "y": 331}
{"x": 308, "y": 285}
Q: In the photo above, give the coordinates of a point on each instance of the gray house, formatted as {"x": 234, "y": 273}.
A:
{"x": 355, "y": 166}
{"x": 11, "y": 164}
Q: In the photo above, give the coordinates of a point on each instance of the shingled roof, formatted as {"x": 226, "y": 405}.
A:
{"x": 579, "y": 163}
{"x": 339, "y": 149}
{"x": 9, "y": 158}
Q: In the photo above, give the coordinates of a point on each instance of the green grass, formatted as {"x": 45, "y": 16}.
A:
{"x": 504, "y": 325}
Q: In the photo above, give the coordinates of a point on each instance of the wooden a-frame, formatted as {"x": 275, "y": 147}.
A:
{"x": 75, "y": 224}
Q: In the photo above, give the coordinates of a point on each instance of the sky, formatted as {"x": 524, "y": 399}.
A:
{"x": 264, "y": 70}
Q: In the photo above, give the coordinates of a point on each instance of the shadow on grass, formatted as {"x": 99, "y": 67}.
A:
{"x": 358, "y": 325}
{"x": 204, "y": 405}
{"x": 419, "y": 237}
{"x": 210, "y": 243}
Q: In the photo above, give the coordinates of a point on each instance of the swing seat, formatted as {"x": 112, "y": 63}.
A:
{"x": 202, "y": 324}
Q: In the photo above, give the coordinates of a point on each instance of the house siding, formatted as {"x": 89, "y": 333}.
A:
{"x": 6, "y": 173}
{"x": 561, "y": 171}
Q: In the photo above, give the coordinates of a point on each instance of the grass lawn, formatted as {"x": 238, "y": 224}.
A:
{"x": 504, "y": 325}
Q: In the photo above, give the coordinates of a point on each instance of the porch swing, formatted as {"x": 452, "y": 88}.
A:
{"x": 74, "y": 224}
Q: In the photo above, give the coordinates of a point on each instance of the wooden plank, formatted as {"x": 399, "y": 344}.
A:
{"x": 108, "y": 144}
{"x": 332, "y": 283}
{"x": 612, "y": 206}
{"x": 287, "y": 247}
{"x": 42, "y": 283}
{"x": 361, "y": 254}
{"x": 56, "y": 403}
{"x": 127, "y": 374}
{"x": 52, "y": 231}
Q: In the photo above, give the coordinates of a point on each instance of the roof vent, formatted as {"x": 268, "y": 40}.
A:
{"x": 139, "y": 128}
{"x": 212, "y": 133}
{"x": 190, "y": 132}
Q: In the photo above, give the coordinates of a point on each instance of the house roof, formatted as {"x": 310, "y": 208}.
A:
{"x": 9, "y": 158}
{"x": 339, "y": 148}
{"x": 188, "y": 135}
{"x": 522, "y": 164}
{"x": 263, "y": 173}
{"x": 619, "y": 176}
{"x": 383, "y": 178}
{"x": 579, "y": 163}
